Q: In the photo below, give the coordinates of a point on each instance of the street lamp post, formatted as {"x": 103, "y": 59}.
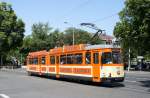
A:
{"x": 73, "y": 39}
{"x": 129, "y": 54}
{"x": 73, "y": 36}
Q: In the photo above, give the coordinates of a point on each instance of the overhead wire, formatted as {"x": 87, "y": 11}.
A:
{"x": 104, "y": 18}
{"x": 82, "y": 5}
{"x": 74, "y": 9}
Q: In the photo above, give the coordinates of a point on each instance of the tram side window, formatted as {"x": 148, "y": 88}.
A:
{"x": 30, "y": 61}
{"x": 78, "y": 58}
{"x": 52, "y": 59}
{"x": 43, "y": 60}
{"x": 63, "y": 59}
{"x": 35, "y": 61}
{"x": 96, "y": 58}
{"x": 88, "y": 57}
{"x": 70, "y": 59}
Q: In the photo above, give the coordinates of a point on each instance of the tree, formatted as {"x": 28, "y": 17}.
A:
{"x": 81, "y": 37}
{"x": 133, "y": 30}
{"x": 56, "y": 39}
{"x": 11, "y": 29}
{"x": 42, "y": 38}
{"x": 40, "y": 32}
{"x": 39, "y": 39}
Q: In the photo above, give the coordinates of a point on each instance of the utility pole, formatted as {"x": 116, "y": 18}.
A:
{"x": 73, "y": 36}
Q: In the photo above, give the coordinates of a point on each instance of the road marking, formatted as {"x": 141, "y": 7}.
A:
{"x": 138, "y": 78}
{"x": 143, "y": 78}
{"x": 137, "y": 90}
{"x": 130, "y": 81}
{"x": 4, "y": 96}
{"x": 137, "y": 72}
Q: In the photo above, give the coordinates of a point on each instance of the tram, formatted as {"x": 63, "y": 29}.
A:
{"x": 97, "y": 63}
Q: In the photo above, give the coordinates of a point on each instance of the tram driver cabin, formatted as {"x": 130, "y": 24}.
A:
{"x": 97, "y": 63}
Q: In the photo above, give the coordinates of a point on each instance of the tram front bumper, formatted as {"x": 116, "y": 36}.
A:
{"x": 112, "y": 79}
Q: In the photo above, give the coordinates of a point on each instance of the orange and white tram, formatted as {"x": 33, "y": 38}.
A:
{"x": 97, "y": 63}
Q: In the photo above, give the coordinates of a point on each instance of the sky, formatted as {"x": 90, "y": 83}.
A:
{"x": 102, "y": 13}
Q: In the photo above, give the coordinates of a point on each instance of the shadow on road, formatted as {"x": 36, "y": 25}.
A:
{"x": 145, "y": 83}
{"x": 89, "y": 83}
{"x": 107, "y": 84}
{"x": 113, "y": 85}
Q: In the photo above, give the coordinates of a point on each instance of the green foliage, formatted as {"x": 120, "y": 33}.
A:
{"x": 39, "y": 35}
{"x": 43, "y": 37}
{"x": 56, "y": 39}
{"x": 39, "y": 39}
{"x": 81, "y": 37}
{"x": 133, "y": 30}
{"x": 11, "y": 29}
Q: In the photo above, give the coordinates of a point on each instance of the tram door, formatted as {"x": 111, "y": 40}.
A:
{"x": 43, "y": 65}
{"x": 96, "y": 66}
{"x": 57, "y": 66}
{"x": 39, "y": 65}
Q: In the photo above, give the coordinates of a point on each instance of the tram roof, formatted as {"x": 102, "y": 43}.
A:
{"x": 81, "y": 47}
{"x": 37, "y": 53}
{"x": 103, "y": 46}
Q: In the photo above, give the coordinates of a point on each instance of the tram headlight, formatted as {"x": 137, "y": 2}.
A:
{"x": 118, "y": 72}
{"x": 103, "y": 75}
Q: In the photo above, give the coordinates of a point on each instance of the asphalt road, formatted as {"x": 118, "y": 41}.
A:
{"x": 17, "y": 84}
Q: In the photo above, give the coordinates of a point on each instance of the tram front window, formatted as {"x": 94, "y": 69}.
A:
{"x": 111, "y": 57}
{"x": 107, "y": 58}
{"x": 116, "y": 57}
